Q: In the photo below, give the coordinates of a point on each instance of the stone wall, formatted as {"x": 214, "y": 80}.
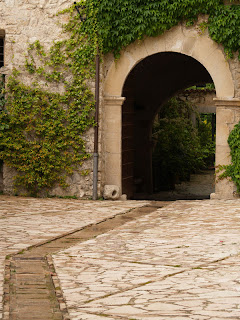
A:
{"x": 235, "y": 69}
{"x": 24, "y": 22}
{"x": 228, "y": 115}
{"x": 201, "y": 99}
{"x": 27, "y": 21}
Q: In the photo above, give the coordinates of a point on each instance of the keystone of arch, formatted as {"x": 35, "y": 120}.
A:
{"x": 181, "y": 40}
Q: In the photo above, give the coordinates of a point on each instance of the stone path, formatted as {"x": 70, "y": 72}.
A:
{"x": 30, "y": 293}
{"x": 27, "y": 221}
{"x": 33, "y": 290}
{"x": 180, "y": 262}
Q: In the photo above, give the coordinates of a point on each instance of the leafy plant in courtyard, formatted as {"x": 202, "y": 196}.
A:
{"x": 177, "y": 151}
{"x": 207, "y": 139}
{"x": 180, "y": 148}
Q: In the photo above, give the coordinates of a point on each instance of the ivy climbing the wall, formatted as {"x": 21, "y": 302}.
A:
{"x": 233, "y": 170}
{"x": 42, "y": 129}
{"x": 2, "y": 95}
{"x": 123, "y": 22}
{"x": 2, "y": 103}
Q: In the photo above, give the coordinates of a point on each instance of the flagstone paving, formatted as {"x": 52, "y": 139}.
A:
{"x": 179, "y": 262}
{"x": 28, "y": 221}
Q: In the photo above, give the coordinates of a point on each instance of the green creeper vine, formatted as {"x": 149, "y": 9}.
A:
{"x": 43, "y": 138}
{"x": 42, "y": 129}
{"x": 2, "y": 103}
{"x": 121, "y": 22}
{"x": 2, "y": 95}
{"x": 233, "y": 170}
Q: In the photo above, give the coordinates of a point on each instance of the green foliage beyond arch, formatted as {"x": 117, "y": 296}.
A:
{"x": 41, "y": 133}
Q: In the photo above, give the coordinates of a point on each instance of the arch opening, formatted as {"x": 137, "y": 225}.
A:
{"x": 149, "y": 85}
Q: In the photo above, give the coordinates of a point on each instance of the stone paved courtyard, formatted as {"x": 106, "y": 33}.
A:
{"x": 28, "y": 221}
{"x": 180, "y": 262}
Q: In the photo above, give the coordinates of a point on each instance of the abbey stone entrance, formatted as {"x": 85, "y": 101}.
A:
{"x": 187, "y": 58}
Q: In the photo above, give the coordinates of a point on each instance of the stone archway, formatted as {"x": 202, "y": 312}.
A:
{"x": 180, "y": 40}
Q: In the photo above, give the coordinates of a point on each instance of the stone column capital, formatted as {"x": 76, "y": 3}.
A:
{"x": 221, "y": 102}
{"x": 114, "y": 100}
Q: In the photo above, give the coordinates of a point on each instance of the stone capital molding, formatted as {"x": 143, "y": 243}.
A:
{"x": 233, "y": 102}
{"x": 114, "y": 100}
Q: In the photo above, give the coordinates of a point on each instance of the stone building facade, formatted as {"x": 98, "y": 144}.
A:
{"x": 132, "y": 90}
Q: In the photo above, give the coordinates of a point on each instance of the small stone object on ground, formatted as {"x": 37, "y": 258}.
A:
{"x": 123, "y": 197}
{"x": 111, "y": 192}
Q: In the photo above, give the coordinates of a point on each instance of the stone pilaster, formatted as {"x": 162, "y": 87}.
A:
{"x": 227, "y": 115}
{"x": 113, "y": 140}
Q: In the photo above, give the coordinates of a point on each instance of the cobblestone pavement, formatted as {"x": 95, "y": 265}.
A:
{"x": 28, "y": 221}
{"x": 180, "y": 262}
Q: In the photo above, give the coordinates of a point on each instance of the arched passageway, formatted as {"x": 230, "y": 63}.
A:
{"x": 203, "y": 56}
{"x": 151, "y": 83}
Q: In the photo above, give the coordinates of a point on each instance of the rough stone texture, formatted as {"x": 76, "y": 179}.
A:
{"x": 111, "y": 192}
{"x": 227, "y": 115}
{"x": 235, "y": 69}
{"x": 7, "y": 178}
{"x": 201, "y": 99}
{"x": 24, "y": 22}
